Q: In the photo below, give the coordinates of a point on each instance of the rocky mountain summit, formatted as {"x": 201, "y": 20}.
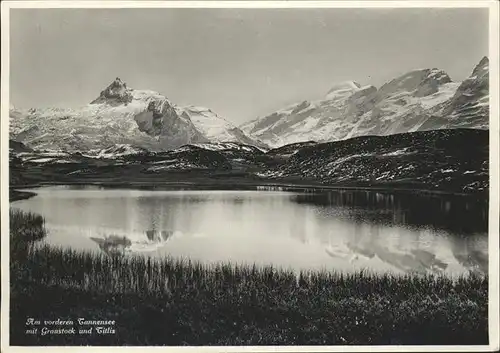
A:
{"x": 121, "y": 115}
{"x": 423, "y": 99}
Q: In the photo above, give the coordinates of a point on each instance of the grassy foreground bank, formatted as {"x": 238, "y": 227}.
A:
{"x": 173, "y": 302}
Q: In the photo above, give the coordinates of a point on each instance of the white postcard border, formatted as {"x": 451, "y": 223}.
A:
{"x": 494, "y": 170}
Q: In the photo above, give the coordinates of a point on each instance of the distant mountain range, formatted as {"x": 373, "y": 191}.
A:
{"x": 418, "y": 131}
{"x": 122, "y": 116}
{"x": 424, "y": 99}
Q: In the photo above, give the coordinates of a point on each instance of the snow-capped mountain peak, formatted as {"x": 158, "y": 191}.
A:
{"x": 121, "y": 115}
{"x": 421, "y": 82}
{"x": 116, "y": 92}
{"x": 420, "y": 99}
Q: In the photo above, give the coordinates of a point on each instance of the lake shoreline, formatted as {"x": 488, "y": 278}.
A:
{"x": 17, "y": 193}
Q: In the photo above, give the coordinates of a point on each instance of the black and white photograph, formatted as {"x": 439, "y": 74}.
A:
{"x": 282, "y": 176}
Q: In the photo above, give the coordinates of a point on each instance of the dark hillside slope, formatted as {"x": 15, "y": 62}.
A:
{"x": 449, "y": 160}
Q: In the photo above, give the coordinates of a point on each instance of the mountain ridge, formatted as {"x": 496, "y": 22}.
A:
{"x": 119, "y": 115}
{"x": 419, "y": 100}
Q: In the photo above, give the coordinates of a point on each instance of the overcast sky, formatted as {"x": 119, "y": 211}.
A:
{"x": 241, "y": 63}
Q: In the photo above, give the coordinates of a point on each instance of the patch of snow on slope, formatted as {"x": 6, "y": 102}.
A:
{"x": 173, "y": 166}
{"x": 41, "y": 160}
{"x": 446, "y": 91}
{"x": 223, "y": 146}
{"x": 396, "y": 153}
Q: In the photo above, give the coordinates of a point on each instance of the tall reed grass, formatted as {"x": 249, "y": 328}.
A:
{"x": 26, "y": 226}
{"x": 103, "y": 273}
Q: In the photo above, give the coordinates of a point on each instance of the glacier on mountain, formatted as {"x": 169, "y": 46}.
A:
{"x": 215, "y": 128}
{"x": 422, "y": 99}
{"x": 121, "y": 116}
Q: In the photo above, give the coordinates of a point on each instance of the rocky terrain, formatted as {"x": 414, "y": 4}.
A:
{"x": 452, "y": 160}
{"x": 419, "y": 100}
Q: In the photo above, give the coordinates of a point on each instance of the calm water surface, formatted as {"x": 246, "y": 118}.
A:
{"x": 334, "y": 230}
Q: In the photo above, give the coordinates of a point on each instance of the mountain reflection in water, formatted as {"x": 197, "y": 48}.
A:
{"x": 120, "y": 245}
{"x": 300, "y": 229}
{"x": 113, "y": 244}
{"x": 461, "y": 214}
{"x": 159, "y": 236}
